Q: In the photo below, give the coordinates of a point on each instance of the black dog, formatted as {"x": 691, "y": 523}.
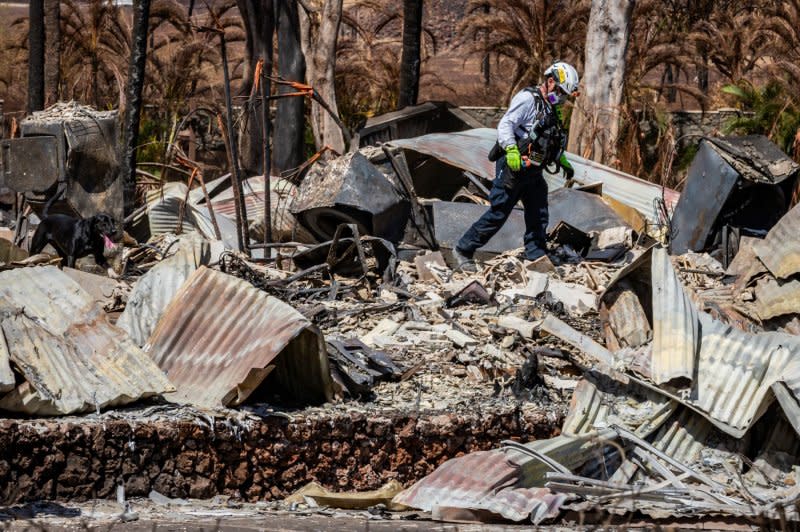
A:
{"x": 74, "y": 238}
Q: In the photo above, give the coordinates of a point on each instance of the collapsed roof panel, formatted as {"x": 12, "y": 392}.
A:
{"x": 484, "y": 481}
{"x": 282, "y": 192}
{"x": 675, "y": 326}
{"x": 153, "y": 292}
{"x": 467, "y": 150}
{"x": 413, "y": 121}
{"x": 708, "y": 185}
{"x": 734, "y": 370}
{"x": 584, "y": 211}
{"x": 220, "y": 338}
{"x": 168, "y": 211}
{"x": 72, "y": 359}
{"x": 451, "y": 220}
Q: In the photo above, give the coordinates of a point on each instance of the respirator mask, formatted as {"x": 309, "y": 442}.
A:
{"x": 557, "y": 97}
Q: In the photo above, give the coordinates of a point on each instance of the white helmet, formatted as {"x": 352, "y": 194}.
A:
{"x": 565, "y": 75}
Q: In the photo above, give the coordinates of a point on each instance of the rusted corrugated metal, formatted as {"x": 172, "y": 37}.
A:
{"x": 485, "y": 480}
{"x": 154, "y": 290}
{"x": 220, "y": 337}
{"x": 509, "y": 483}
{"x": 675, "y": 327}
{"x": 224, "y": 202}
{"x": 468, "y": 150}
{"x": 780, "y": 250}
{"x": 284, "y": 224}
{"x": 73, "y": 360}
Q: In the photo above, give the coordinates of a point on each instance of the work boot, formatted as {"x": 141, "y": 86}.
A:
{"x": 464, "y": 261}
{"x": 535, "y": 254}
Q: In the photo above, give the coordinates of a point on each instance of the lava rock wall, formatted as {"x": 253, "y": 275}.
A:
{"x": 260, "y": 460}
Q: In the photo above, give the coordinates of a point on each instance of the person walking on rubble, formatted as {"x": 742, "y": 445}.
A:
{"x": 530, "y": 137}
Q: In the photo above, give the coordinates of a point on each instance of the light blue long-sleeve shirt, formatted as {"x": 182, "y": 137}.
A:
{"x": 526, "y": 108}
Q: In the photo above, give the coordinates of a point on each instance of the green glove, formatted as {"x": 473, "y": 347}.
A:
{"x": 513, "y": 158}
{"x": 569, "y": 172}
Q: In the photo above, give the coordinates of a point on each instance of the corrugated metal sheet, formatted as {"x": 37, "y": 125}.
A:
{"x": 675, "y": 326}
{"x": 683, "y": 437}
{"x": 468, "y": 150}
{"x": 164, "y": 207}
{"x": 284, "y": 224}
{"x": 224, "y": 203}
{"x": 72, "y": 358}
{"x": 735, "y": 371}
{"x": 776, "y": 298}
{"x": 154, "y": 290}
{"x": 220, "y": 337}
{"x": 485, "y": 480}
{"x": 780, "y": 250}
{"x": 639, "y": 409}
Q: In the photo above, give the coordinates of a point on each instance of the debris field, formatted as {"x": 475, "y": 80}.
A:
{"x": 649, "y": 365}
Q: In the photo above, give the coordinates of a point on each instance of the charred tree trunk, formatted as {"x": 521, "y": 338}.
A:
{"x": 486, "y": 64}
{"x": 410, "y": 60}
{"x": 36, "y": 42}
{"x": 290, "y": 118}
{"x": 133, "y": 106}
{"x": 595, "y": 121}
{"x": 258, "y": 17}
{"x": 52, "y": 65}
{"x": 320, "y": 32}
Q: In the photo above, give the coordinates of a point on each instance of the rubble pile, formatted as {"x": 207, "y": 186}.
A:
{"x": 352, "y": 352}
{"x": 687, "y": 415}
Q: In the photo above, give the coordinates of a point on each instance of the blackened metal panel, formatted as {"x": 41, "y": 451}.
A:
{"x": 756, "y": 158}
{"x": 30, "y": 163}
{"x": 452, "y": 219}
{"x": 582, "y": 210}
{"x": 708, "y": 185}
{"x": 350, "y": 189}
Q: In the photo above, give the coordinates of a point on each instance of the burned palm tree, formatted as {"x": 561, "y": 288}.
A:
{"x": 96, "y": 48}
{"x": 369, "y": 59}
{"x": 733, "y": 52}
{"x": 525, "y": 36}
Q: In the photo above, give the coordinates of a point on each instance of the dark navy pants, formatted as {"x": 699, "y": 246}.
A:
{"x": 527, "y": 185}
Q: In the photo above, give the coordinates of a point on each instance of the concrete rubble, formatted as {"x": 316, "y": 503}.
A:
{"x": 608, "y": 378}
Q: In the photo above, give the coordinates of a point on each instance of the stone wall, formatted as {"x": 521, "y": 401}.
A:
{"x": 488, "y": 116}
{"x": 267, "y": 459}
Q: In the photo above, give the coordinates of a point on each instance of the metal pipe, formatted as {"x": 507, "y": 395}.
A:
{"x": 266, "y": 88}
{"x": 238, "y": 192}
